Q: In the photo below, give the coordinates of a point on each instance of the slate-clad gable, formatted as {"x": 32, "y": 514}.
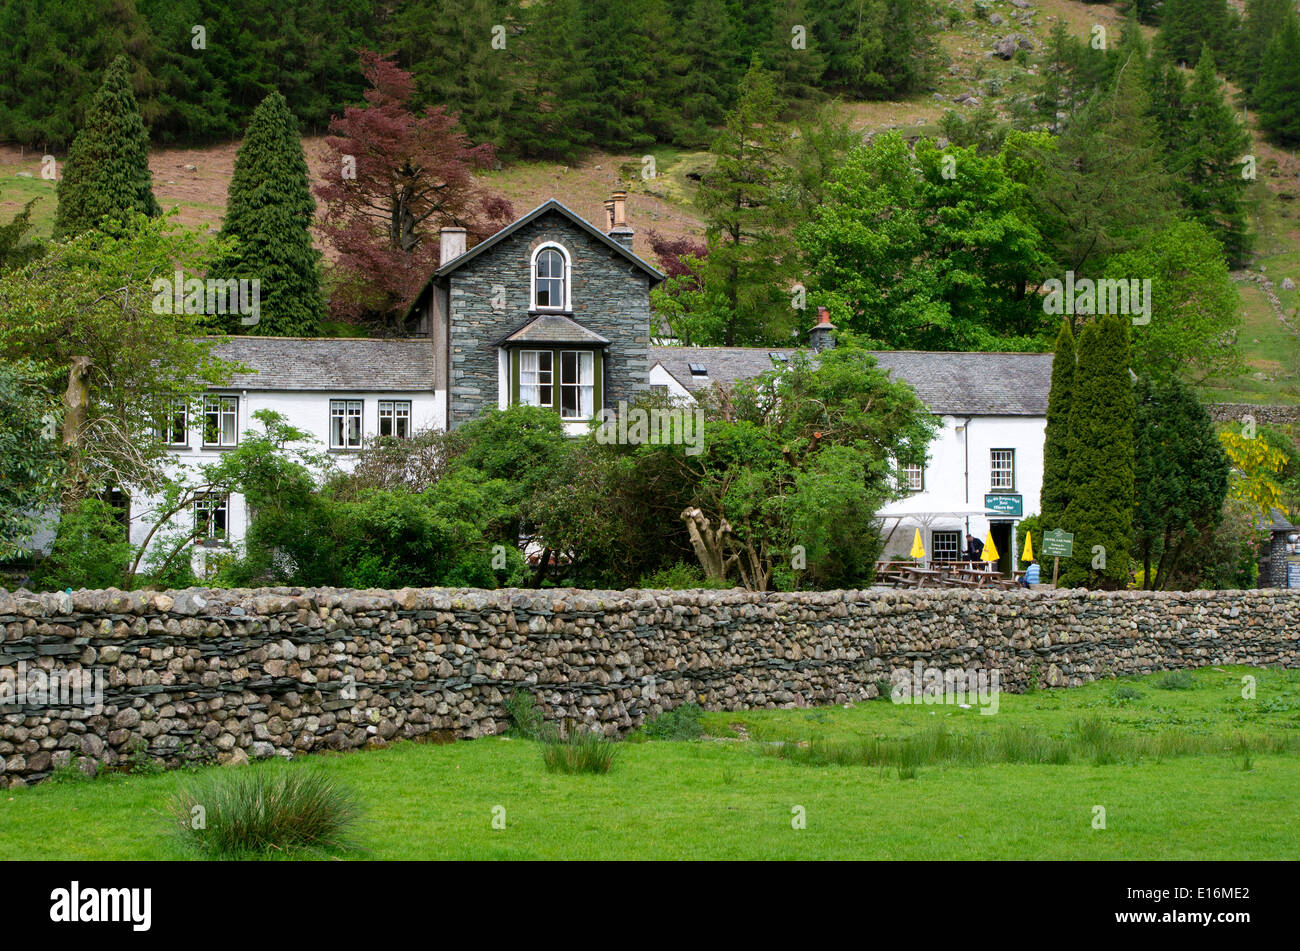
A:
{"x": 610, "y": 297}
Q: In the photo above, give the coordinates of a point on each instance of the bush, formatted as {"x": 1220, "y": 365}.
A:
{"x": 90, "y": 550}
{"x": 582, "y": 751}
{"x": 679, "y": 576}
{"x": 258, "y": 811}
{"x": 680, "y": 723}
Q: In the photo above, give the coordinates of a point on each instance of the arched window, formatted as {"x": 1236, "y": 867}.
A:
{"x": 550, "y": 278}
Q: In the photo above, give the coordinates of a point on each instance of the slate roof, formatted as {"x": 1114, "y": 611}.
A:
{"x": 554, "y": 328}
{"x": 319, "y": 363}
{"x": 977, "y": 384}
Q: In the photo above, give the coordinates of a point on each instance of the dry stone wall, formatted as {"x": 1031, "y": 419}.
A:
{"x": 232, "y": 674}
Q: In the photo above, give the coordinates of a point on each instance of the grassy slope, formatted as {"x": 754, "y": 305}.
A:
{"x": 722, "y": 798}
{"x": 664, "y": 204}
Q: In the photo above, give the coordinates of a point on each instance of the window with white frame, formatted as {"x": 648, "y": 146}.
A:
{"x": 577, "y": 384}
{"x": 536, "y": 373}
{"x": 173, "y": 430}
{"x": 211, "y": 517}
{"x": 1003, "y": 469}
{"x": 914, "y": 477}
{"x": 945, "y": 546}
{"x": 395, "y": 418}
{"x": 345, "y": 424}
{"x": 550, "y": 278}
{"x": 220, "y": 420}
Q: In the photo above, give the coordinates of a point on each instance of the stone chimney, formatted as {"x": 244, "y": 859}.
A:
{"x": 619, "y": 230}
{"x": 820, "y": 336}
{"x": 451, "y": 244}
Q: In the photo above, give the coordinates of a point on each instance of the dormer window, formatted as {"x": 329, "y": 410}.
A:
{"x": 551, "y": 278}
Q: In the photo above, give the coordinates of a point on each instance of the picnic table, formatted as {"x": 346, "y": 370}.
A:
{"x": 981, "y": 577}
{"x": 919, "y": 576}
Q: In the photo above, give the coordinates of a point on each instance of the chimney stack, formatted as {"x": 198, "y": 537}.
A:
{"x": 820, "y": 336}
{"x": 451, "y": 244}
{"x": 619, "y": 230}
{"x": 609, "y": 213}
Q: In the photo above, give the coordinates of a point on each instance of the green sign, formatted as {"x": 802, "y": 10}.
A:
{"x": 1005, "y": 504}
{"x": 1057, "y": 544}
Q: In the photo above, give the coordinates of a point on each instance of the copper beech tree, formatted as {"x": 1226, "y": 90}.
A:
{"x": 394, "y": 178}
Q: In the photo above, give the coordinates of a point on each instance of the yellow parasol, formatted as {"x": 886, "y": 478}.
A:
{"x": 918, "y": 549}
{"x": 1029, "y": 547}
{"x": 990, "y": 549}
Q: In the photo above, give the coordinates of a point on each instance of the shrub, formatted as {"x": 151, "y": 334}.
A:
{"x": 680, "y": 723}
{"x": 258, "y": 811}
{"x": 1176, "y": 680}
{"x": 582, "y": 751}
{"x": 90, "y": 550}
{"x": 1127, "y": 692}
{"x": 679, "y": 576}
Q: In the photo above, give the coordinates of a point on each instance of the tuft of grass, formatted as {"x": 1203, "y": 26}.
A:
{"x": 680, "y": 723}
{"x": 526, "y": 717}
{"x": 257, "y": 812}
{"x": 1127, "y": 692}
{"x": 1085, "y": 740}
{"x": 1176, "y": 680}
{"x": 582, "y": 751}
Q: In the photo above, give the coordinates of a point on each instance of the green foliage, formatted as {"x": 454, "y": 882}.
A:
{"x": 582, "y": 751}
{"x": 92, "y": 296}
{"x": 1277, "y": 95}
{"x": 1176, "y": 680}
{"x": 269, "y": 213}
{"x": 90, "y": 549}
{"x": 743, "y": 298}
{"x": 1180, "y": 478}
{"x": 677, "y": 577}
{"x": 682, "y": 722}
{"x": 30, "y": 463}
{"x": 938, "y": 260}
{"x": 1100, "y": 454}
{"x": 15, "y": 250}
{"x": 1101, "y": 187}
{"x": 257, "y": 812}
{"x": 1189, "y": 26}
{"x": 526, "y": 718}
{"x": 1194, "y": 304}
{"x": 107, "y": 171}
{"x": 1055, "y": 496}
{"x": 1205, "y": 150}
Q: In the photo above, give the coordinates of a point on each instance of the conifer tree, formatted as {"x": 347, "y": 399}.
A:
{"x": 1278, "y": 93}
{"x": 1264, "y": 20}
{"x": 743, "y": 206}
{"x": 1206, "y": 158}
{"x": 1100, "y": 449}
{"x": 269, "y": 212}
{"x": 107, "y": 171}
{"x": 1056, "y": 460}
{"x": 706, "y": 76}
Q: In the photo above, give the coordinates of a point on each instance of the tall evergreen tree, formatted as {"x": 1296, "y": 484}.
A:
{"x": 1105, "y": 188}
{"x": 1055, "y": 496}
{"x": 743, "y": 207}
{"x": 107, "y": 171}
{"x": 1278, "y": 93}
{"x": 1186, "y": 26}
{"x": 1100, "y": 449}
{"x": 795, "y": 53}
{"x": 1264, "y": 20}
{"x": 269, "y": 212}
{"x": 1206, "y": 158}
{"x": 1180, "y": 477}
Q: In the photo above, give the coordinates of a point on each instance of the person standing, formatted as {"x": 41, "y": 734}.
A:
{"x": 974, "y": 548}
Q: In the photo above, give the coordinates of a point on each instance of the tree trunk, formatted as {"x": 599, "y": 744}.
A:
{"x": 76, "y": 410}
{"x": 708, "y": 543}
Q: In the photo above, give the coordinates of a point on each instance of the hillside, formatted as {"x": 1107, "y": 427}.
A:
{"x": 194, "y": 180}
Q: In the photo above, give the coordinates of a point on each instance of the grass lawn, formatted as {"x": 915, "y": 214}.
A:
{"x": 726, "y": 796}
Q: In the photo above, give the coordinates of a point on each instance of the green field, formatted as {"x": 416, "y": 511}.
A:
{"x": 727, "y": 797}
